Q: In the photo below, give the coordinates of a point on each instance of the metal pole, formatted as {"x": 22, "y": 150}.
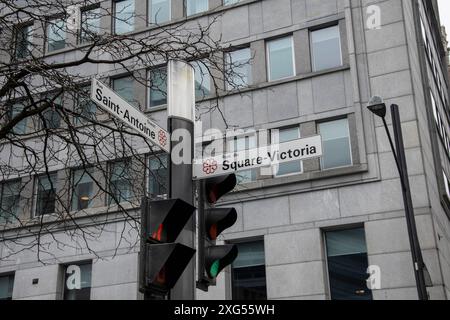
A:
{"x": 409, "y": 209}
{"x": 181, "y": 187}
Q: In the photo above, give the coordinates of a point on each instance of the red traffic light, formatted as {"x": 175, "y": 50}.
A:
{"x": 215, "y": 188}
{"x": 219, "y": 219}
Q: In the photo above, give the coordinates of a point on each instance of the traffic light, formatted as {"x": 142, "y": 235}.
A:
{"x": 162, "y": 261}
{"x": 212, "y": 222}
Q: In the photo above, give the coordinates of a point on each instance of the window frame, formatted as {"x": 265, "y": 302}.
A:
{"x": 342, "y": 228}
{"x": 352, "y": 163}
{"x": 121, "y": 76}
{"x": 77, "y": 263}
{"x": 46, "y": 37}
{"x": 149, "y": 89}
{"x": 268, "y": 63}
{"x": 72, "y": 188}
{"x": 114, "y": 17}
{"x": 109, "y": 200}
{"x": 149, "y": 157}
{"x": 275, "y": 168}
{"x": 231, "y": 269}
{"x": 2, "y": 186}
{"x": 80, "y": 32}
{"x": 185, "y": 3}
{"x": 227, "y": 59}
{"x": 311, "y": 44}
{"x": 13, "y": 276}
{"x": 150, "y": 14}
{"x": 20, "y": 27}
{"x": 36, "y": 193}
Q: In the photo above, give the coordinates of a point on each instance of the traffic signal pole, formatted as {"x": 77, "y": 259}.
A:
{"x": 181, "y": 117}
{"x": 181, "y": 187}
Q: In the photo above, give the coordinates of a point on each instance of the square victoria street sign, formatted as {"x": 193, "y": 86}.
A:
{"x": 106, "y": 98}
{"x": 301, "y": 149}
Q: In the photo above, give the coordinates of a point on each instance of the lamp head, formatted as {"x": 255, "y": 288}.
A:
{"x": 377, "y": 106}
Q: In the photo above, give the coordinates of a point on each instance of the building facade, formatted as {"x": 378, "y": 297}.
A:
{"x": 305, "y": 230}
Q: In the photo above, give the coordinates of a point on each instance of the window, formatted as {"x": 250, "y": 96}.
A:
{"x": 241, "y": 144}
{"x": 121, "y": 182}
{"x": 336, "y": 144}
{"x": 46, "y": 194}
{"x": 90, "y": 24}
{"x": 24, "y": 41}
{"x": 433, "y": 105}
{"x": 239, "y": 69}
{"x": 83, "y": 189}
{"x": 158, "y": 180}
{"x": 347, "y": 264}
{"x": 202, "y": 80}
{"x": 77, "y": 281}
{"x": 326, "y": 48}
{"x": 228, "y": 2}
{"x": 86, "y": 109}
{"x": 51, "y": 116}
{"x": 280, "y": 53}
{"x": 196, "y": 6}
{"x": 285, "y": 135}
{"x": 159, "y": 11}
{"x": 6, "y": 287}
{"x": 9, "y": 199}
{"x": 158, "y": 87}
{"x": 124, "y": 87}
{"x": 249, "y": 272}
{"x": 124, "y": 16}
{"x": 56, "y": 34}
{"x": 21, "y": 127}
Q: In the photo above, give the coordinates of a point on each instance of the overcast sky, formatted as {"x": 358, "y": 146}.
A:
{"x": 444, "y": 9}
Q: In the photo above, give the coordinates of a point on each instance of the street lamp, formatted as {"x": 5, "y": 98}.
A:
{"x": 378, "y": 107}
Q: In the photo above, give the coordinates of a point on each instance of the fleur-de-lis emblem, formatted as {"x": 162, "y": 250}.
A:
{"x": 210, "y": 166}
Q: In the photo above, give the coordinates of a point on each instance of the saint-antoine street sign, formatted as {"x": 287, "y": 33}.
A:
{"x": 301, "y": 149}
{"x": 106, "y": 98}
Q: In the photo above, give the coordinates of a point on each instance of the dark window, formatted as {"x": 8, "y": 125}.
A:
{"x": 24, "y": 41}
{"x": 90, "y": 24}
{"x": 202, "y": 80}
{"x": 6, "y": 287}
{"x": 158, "y": 87}
{"x": 249, "y": 272}
{"x": 56, "y": 34}
{"x": 21, "y": 127}
{"x": 124, "y": 87}
{"x": 121, "y": 182}
{"x": 86, "y": 109}
{"x": 9, "y": 199}
{"x": 83, "y": 189}
{"x": 158, "y": 175}
{"x": 347, "y": 264}
{"x": 51, "y": 116}
{"x": 46, "y": 194}
{"x": 77, "y": 281}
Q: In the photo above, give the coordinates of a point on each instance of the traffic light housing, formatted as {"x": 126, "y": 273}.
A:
{"x": 212, "y": 222}
{"x": 162, "y": 261}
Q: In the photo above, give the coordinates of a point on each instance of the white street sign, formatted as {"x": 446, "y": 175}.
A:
{"x": 301, "y": 149}
{"x": 106, "y": 98}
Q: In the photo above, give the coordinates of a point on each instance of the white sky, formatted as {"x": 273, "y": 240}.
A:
{"x": 444, "y": 10}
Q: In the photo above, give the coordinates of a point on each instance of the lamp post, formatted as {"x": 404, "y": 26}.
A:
{"x": 378, "y": 107}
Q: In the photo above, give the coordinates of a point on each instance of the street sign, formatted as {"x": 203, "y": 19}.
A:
{"x": 110, "y": 101}
{"x": 301, "y": 149}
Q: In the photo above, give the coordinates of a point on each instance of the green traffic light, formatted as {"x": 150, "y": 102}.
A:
{"x": 214, "y": 271}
